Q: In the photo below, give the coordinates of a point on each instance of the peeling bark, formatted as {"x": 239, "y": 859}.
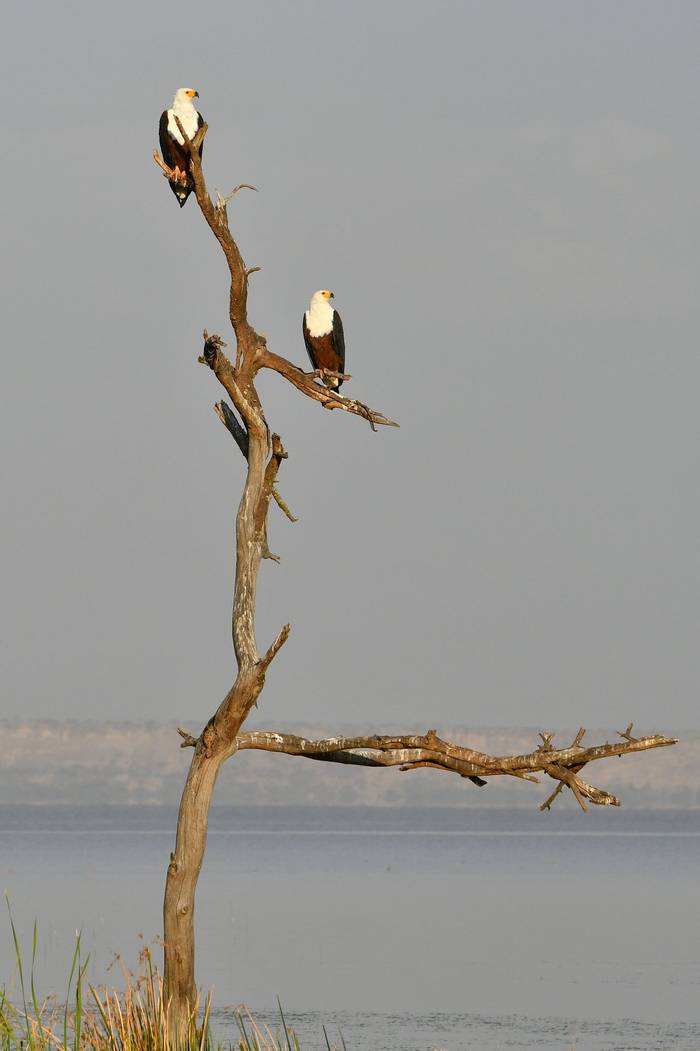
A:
{"x": 412, "y": 752}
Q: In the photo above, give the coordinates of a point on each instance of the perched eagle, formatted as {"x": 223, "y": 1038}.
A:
{"x": 172, "y": 143}
{"x": 323, "y": 335}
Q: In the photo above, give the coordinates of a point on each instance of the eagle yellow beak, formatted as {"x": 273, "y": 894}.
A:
{"x": 193, "y": 94}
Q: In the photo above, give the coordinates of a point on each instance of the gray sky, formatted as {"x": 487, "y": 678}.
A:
{"x": 504, "y": 197}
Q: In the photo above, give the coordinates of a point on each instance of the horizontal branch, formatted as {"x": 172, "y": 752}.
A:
{"x": 413, "y": 752}
{"x": 575, "y": 755}
{"x": 330, "y": 399}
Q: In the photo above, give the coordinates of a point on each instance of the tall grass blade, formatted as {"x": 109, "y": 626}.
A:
{"x": 245, "y": 1044}
{"x": 76, "y": 959}
{"x": 284, "y": 1023}
{"x": 35, "y": 1002}
{"x": 77, "y": 1021}
{"x": 105, "y": 1019}
{"x": 204, "y": 1041}
{"x": 18, "y": 958}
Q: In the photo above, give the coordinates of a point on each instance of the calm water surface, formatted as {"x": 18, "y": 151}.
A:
{"x": 460, "y": 928}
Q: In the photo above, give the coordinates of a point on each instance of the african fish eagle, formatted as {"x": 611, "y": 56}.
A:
{"x": 323, "y": 335}
{"x": 172, "y": 143}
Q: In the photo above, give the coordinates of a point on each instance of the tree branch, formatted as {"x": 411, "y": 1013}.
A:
{"x": 282, "y": 505}
{"x": 412, "y": 752}
{"x": 221, "y": 202}
{"x": 236, "y": 429}
{"x": 217, "y": 219}
{"x": 274, "y": 648}
{"x": 305, "y": 382}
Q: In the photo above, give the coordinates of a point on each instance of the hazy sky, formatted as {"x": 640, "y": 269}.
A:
{"x": 504, "y": 197}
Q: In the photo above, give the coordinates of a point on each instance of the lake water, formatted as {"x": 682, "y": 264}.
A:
{"x": 411, "y": 928}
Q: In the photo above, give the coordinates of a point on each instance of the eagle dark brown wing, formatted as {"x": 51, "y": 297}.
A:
{"x": 200, "y": 121}
{"x": 308, "y": 341}
{"x": 339, "y": 342}
{"x": 174, "y": 155}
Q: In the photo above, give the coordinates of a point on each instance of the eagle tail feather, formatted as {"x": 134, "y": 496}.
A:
{"x": 181, "y": 192}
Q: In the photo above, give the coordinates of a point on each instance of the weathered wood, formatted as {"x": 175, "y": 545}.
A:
{"x": 413, "y": 752}
{"x": 230, "y": 421}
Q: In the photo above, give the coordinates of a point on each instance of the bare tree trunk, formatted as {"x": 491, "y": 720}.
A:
{"x": 264, "y": 454}
{"x": 218, "y": 738}
{"x": 221, "y": 736}
{"x": 181, "y": 882}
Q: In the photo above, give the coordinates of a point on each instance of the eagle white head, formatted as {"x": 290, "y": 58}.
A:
{"x": 320, "y": 297}
{"x": 182, "y": 98}
{"x": 319, "y": 316}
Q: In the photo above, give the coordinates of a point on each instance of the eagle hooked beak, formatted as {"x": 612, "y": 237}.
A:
{"x": 193, "y": 94}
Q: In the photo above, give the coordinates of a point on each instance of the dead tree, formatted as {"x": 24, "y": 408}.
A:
{"x": 222, "y": 736}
